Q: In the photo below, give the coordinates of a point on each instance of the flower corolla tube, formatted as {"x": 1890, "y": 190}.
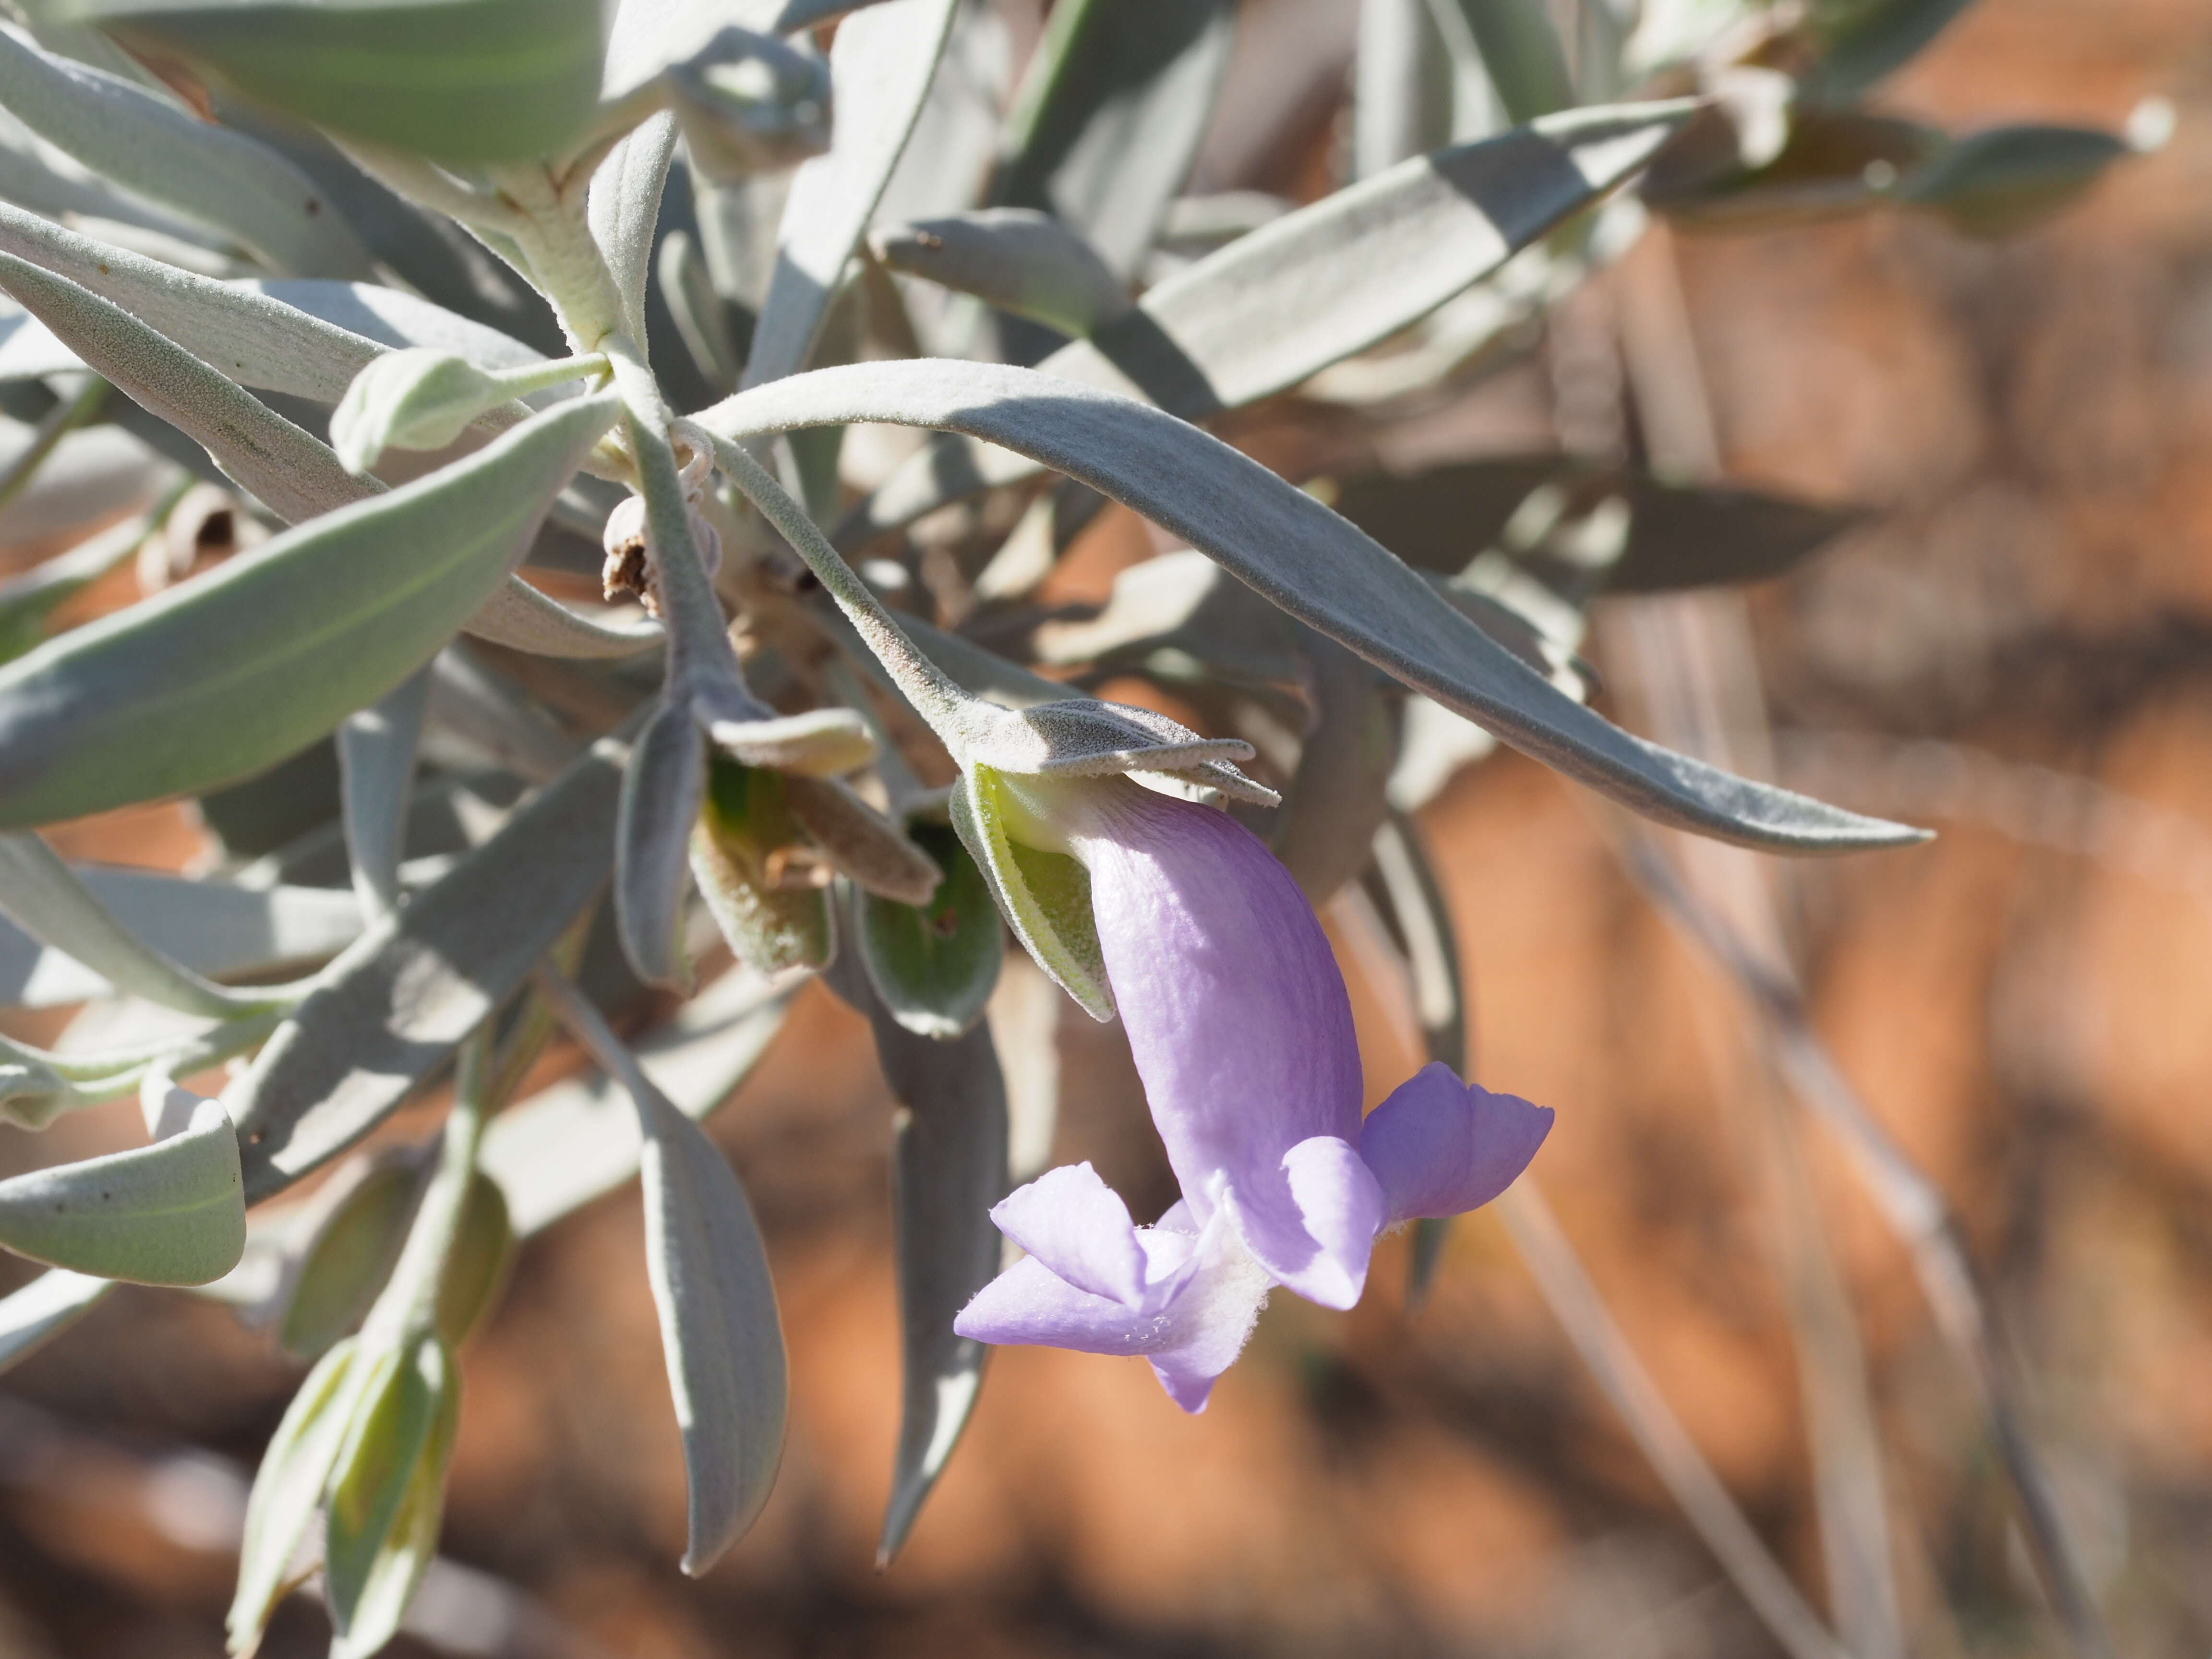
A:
{"x": 1243, "y": 1034}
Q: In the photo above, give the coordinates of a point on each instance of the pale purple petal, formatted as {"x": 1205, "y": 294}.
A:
{"x": 1236, "y": 1012}
{"x": 1031, "y": 1303}
{"x": 1191, "y": 1338}
{"x": 1314, "y": 1226}
{"x": 1078, "y": 1227}
{"x": 1440, "y": 1146}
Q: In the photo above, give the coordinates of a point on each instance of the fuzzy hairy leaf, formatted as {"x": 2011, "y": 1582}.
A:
{"x": 217, "y": 177}
{"x": 170, "y": 1214}
{"x": 221, "y": 675}
{"x": 1314, "y": 565}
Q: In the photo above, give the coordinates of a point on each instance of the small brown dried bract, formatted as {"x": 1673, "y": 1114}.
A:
{"x": 627, "y": 575}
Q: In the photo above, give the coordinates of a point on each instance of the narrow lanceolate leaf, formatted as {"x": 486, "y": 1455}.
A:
{"x": 391, "y": 1010}
{"x": 376, "y": 767}
{"x": 296, "y": 475}
{"x": 304, "y": 336}
{"x": 1312, "y": 563}
{"x": 624, "y": 207}
{"x": 719, "y": 1330}
{"x": 287, "y": 1490}
{"x": 660, "y": 798}
{"x": 948, "y": 1169}
{"x": 1019, "y": 259}
{"x": 1114, "y": 105}
{"x": 219, "y": 178}
{"x": 170, "y": 1214}
{"x": 208, "y": 927}
{"x": 44, "y": 1308}
{"x": 486, "y": 80}
{"x": 1316, "y": 286}
{"x": 562, "y": 1148}
{"x": 934, "y": 964}
{"x": 518, "y": 616}
{"x": 880, "y": 66}
{"x": 42, "y": 895}
{"x": 223, "y": 675}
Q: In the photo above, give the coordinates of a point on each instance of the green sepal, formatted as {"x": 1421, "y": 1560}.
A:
{"x": 1045, "y": 896}
{"x": 934, "y": 964}
{"x": 745, "y": 840}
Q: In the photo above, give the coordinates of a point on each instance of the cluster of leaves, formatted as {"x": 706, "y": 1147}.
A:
{"x": 399, "y": 301}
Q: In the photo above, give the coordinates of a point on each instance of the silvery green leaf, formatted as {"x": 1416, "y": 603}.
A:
{"x": 1252, "y": 319}
{"x": 1111, "y": 111}
{"x": 33, "y": 1316}
{"x": 623, "y": 205}
{"x": 302, "y": 335}
{"x": 292, "y": 473}
{"x": 1335, "y": 801}
{"x": 400, "y": 1424}
{"x": 948, "y": 1169}
{"x": 660, "y": 799}
{"x": 209, "y": 173}
{"x": 488, "y": 81}
{"x": 170, "y": 1214}
{"x": 861, "y": 842}
{"x": 209, "y": 926}
{"x": 2004, "y": 180}
{"x": 1018, "y": 259}
{"x": 881, "y": 66}
{"x": 770, "y": 901}
{"x": 1044, "y": 897}
{"x": 1874, "y": 39}
{"x": 749, "y": 103}
{"x": 287, "y": 1488}
{"x": 934, "y": 964}
{"x": 1312, "y": 564}
{"x": 1313, "y": 287}
{"x": 43, "y": 896}
{"x": 518, "y": 616}
{"x": 353, "y": 1242}
{"x": 390, "y": 1011}
{"x": 1521, "y": 53}
{"x": 203, "y": 684}
{"x": 566, "y": 1145}
{"x": 719, "y": 1330}
{"x": 376, "y": 769}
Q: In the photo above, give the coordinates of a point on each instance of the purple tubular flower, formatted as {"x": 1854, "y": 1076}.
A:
{"x": 1242, "y": 1031}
